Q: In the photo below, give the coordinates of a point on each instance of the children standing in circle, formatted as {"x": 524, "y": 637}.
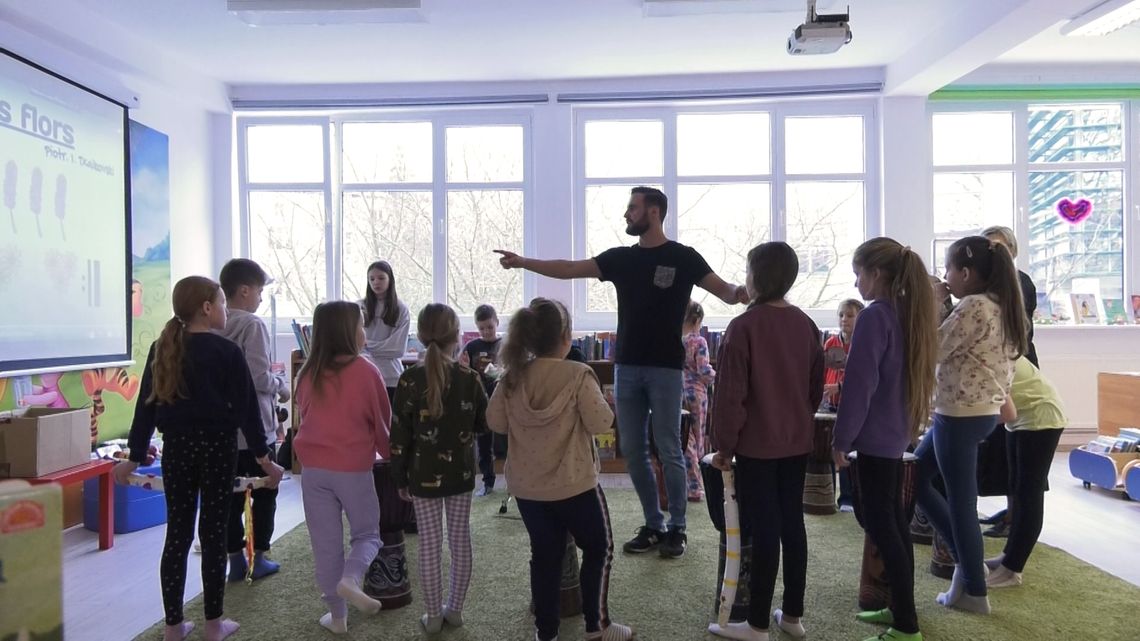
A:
{"x": 345, "y": 415}
{"x": 890, "y": 378}
{"x": 835, "y": 350}
{"x": 243, "y": 281}
{"x": 386, "y": 322}
{"x": 197, "y": 390}
{"x": 550, "y": 408}
{"x": 478, "y": 354}
{"x": 439, "y": 409}
{"x": 771, "y": 383}
{"x": 699, "y": 374}
{"x": 978, "y": 343}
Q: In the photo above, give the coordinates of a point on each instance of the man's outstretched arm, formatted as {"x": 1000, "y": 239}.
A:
{"x": 727, "y": 292}
{"x": 561, "y": 269}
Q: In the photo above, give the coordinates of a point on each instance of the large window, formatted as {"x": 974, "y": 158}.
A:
{"x": 324, "y": 198}
{"x": 734, "y": 178}
{"x": 1026, "y": 166}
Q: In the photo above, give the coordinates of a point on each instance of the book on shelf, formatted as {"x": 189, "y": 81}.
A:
{"x": 304, "y": 336}
{"x": 607, "y": 446}
{"x": 597, "y": 346}
{"x": 1086, "y": 309}
{"x": 1113, "y": 445}
{"x": 1114, "y": 312}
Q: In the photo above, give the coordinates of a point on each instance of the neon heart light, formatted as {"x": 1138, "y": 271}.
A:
{"x": 1074, "y": 213}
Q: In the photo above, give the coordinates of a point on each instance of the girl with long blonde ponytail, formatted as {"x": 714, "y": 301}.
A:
{"x": 888, "y": 382}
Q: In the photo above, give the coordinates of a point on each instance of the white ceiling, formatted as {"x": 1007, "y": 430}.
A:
{"x": 1050, "y": 46}
{"x": 509, "y": 40}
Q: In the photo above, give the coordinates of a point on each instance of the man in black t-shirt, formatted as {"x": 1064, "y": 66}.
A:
{"x": 654, "y": 280}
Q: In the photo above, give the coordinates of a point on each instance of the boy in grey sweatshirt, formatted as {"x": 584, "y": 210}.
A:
{"x": 242, "y": 281}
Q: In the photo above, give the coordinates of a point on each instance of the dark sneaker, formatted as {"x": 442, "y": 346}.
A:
{"x": 673, "y": 546}
{"x": 646, "y": 540}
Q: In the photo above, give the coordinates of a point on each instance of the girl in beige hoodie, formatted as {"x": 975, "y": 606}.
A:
{"x": 550, "y": 408}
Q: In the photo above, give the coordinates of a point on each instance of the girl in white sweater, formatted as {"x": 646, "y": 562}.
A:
{"x": 550, "y": 408}
{"x": 386, "y": 323}
{"x": 978, "y": 343}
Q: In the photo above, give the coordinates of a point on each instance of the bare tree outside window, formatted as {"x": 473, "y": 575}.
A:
{"x": 824, "y": 225}
{"x": 288, "y": 240}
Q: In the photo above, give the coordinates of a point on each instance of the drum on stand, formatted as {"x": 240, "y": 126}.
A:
{"x": 387, "y": 577}
{"x": 819, "y": 479}
{"x": 874, "y": 590}
{"x": 714, "y": 499}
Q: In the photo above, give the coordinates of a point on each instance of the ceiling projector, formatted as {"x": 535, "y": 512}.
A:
{"x": 820, "y": 34}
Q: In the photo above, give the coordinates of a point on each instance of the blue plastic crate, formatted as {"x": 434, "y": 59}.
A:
{"x": 135, "y": 508}
{"x": 1132, "y": 482}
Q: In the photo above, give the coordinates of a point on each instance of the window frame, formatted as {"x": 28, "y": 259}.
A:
{"x": 777, "y": 178}
{"x": 334, "y": 186}
{"x": 1128, "y": 166}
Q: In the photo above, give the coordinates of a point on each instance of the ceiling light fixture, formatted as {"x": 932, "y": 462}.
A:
{"x": 1104, "y": 18}
{"x": 261, "y": 13}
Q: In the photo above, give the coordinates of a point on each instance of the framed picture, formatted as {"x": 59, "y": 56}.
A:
{"x": 1085, "y": 309}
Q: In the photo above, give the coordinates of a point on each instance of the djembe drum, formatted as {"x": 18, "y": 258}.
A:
{"x": 819, "y": 479}
{"x": 714, "y": 499}
{"x": 921, "y": 531}
{"x": 941, "y": 561}
{"x": 874, "y": 590}
{"x": 387, "y": 577}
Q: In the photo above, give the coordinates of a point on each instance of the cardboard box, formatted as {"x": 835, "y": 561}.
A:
{"x": 31, "y": 561}
{"x": 44, "y": 440}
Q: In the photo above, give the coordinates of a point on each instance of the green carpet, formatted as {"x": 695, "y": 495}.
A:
{"x": 664, "y": 600}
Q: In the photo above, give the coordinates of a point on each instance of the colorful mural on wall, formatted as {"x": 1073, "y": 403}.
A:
{"x": 111, "y": 392}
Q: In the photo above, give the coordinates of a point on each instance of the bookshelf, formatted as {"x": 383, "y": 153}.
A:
{"x": 1116, "y": 405}
{"x": 1116, "y": 410}
{"x": 296, "y": 360}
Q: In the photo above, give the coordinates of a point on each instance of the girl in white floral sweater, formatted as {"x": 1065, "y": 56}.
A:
{"x": 979, "y": 341}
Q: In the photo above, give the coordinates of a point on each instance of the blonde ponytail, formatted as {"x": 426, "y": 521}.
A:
{"x": 438, "y": 328}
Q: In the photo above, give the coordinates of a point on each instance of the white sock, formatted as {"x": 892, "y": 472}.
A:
{"x": 350, "y": 591}
{"x": 432, "y": 624}
{"x": 1003, "y": 577}
{"x": 957, "y": 586}
{"x": 975, "y": 604}
{"x": 336, "y": 626}
{"x": 795, "y": 629}
{"x": 739, "y": 630}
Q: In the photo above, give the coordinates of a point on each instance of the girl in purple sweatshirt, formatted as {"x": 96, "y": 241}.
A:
{"x": 888, "y": 383}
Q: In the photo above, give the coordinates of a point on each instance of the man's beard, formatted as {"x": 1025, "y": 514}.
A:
{"x": 636, "y": 229}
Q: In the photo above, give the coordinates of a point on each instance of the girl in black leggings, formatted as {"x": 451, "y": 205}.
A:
{"x": 1034, "y": 419}
{"x": 197, "y": 390}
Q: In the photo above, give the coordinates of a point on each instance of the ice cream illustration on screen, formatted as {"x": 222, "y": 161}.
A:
{"x": 61, "y": 202}
{"x": 10, "y": 172}
{"x": 36, "y": 197}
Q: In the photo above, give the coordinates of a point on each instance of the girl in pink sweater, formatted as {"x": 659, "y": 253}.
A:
{"x": 345, "y": 416}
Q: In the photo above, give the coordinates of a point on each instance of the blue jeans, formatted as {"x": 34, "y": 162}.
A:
{"x": 951, "y": 447}
{"x": 639, "y": 390}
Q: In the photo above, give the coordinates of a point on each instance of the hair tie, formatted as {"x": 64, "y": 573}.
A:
{"x": 969, "y": 252}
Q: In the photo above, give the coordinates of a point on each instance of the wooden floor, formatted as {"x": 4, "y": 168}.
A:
{"x": 114, "y": 595}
